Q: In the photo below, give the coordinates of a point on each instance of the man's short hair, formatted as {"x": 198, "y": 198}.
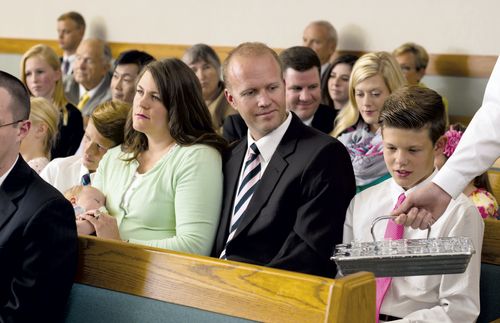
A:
{"x": 250, "y": 49}
{"x": 75, "y": 16}
{"x": 415, "y": 107}
{"x": 332, "y": 32}
{"x": 300, "y": 58}
{"x": 136, "y": 57}
{"x": 20, "y": 104}
{"x": 421, "y": 55}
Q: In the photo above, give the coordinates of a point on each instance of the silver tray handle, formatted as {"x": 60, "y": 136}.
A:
{"x": 388, "y": 217}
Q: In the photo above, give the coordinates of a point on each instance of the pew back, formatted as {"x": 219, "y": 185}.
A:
{"x": 227, "y": 288}
{"x": 490, "y": 273}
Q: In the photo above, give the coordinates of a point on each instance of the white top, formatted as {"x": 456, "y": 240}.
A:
{"x": 38, "y": 164}
{"x": 480, "y": 145}
{"x": 64, "y": 173}
{"x": 436, "y": 298}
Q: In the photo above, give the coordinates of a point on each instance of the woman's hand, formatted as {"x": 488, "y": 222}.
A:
{"x": 84, "y": 226}
{"x": 105, "y": 225}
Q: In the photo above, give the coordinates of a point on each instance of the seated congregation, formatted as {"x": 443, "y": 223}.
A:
{"x": 218, "y": 190}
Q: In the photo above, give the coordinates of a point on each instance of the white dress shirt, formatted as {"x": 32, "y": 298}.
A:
{"x": 480, "y": 145}
{"x": 64, "y": 173}
{"x": 434, "y": 298}
{"x": 267, "y": 145}
{"x": 4, "y": 176}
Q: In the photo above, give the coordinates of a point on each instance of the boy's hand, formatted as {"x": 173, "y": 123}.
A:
{"x": 423, "y": 207}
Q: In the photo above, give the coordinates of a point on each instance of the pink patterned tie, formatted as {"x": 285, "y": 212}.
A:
{"x": 393, "y": 231}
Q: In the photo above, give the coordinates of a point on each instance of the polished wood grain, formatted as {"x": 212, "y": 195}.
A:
{"x": 491, "y": 242}
{"x": 439, "y": 64}
{"x": 494, "y": 178}
{"x": 231, "y": 288}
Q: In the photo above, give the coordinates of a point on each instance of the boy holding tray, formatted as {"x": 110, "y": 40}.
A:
{"x": 413, "y": 126}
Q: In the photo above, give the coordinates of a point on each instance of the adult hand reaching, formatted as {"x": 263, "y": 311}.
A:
{"x": 422, "y": 207}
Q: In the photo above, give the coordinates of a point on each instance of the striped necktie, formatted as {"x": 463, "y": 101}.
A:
{"x": 393, "y": 231}
{"x": 83, "y": 100}
{"x": 249, "y": 181}
{"x": 86, "y": 179}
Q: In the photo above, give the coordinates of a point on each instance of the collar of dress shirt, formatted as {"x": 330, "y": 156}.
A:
{"x": 90, "y": 92}
{"x": 267, "y": 144}
{"x": 397, "y": 190}
{"x": 4, "y": 176}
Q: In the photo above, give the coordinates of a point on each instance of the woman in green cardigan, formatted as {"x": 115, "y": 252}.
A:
{"x": 163, "y": 186}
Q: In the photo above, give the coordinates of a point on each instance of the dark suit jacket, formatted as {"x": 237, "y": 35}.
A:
{"x": 38, "y": 248}
{"x": 297, "y": 212}
{"x": 235, "y": 128}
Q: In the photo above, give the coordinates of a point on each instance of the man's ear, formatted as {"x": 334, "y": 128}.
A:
{"x": 24, "y": 128}
{"x": 230, "y": 98}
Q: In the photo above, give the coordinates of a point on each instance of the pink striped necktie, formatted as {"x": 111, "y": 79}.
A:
{"x": 249, "y": 181}
{"x": 393, "y": 231}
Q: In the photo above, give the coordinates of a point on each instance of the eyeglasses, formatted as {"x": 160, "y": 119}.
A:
{"x": 10, "y": 124}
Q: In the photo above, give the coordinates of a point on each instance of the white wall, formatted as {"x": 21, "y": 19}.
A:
{"x": 442, "y": 26}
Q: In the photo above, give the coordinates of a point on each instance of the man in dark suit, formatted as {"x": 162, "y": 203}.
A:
{"x": 38, "y": 240}
{"x": 301, "y": 68}
{"x": 286, "y": 186}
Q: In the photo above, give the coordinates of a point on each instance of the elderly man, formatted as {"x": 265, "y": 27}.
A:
{"x": 321, "y": 37}
{"x": 70, "y": 31}
{"x": 38, "y": 241}
{"x": 90, "y": 83}
{"x": 127, "y": 68}
{"x": 287, "y": 186}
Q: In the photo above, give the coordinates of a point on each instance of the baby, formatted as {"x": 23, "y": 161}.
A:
{"x": 83, "y": 199}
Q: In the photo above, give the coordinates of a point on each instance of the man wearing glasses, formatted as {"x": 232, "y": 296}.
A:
{"x": 38, "y": 241}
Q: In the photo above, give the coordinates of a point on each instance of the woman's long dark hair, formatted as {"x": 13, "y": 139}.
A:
{"x": 189, "y": 120}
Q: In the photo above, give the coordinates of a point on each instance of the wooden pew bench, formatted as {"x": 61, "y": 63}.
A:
{"x": 490, "y": 273}
{"x": 120, "y": 282}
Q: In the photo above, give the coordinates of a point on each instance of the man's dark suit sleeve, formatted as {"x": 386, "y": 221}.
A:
{"x": 40, "y": 289}
{"x": 327, "y": 187}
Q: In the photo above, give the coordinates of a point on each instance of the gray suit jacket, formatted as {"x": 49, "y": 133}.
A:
{"x": 72, "y": 92}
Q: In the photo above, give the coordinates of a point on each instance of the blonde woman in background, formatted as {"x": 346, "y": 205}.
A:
{"x": 35, "y": 147}
{"x": 374, "y": 77}
{"x": 41, "y": 73}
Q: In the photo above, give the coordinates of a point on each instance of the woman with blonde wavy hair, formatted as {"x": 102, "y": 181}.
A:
{"x": 35, "y": 147}
{"x": 41, "y": 72}
{"x": 374, "y": 77}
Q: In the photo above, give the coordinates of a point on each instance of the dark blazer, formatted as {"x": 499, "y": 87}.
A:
{"x": 70, "y": 134}
{"x": 297, "y": 212}
{"x": 235, "y": 128}
{"x": 38, "y": 248}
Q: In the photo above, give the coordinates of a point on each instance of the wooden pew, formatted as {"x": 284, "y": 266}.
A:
{"x": 149, "y": 279}
{"x": 494, "y": 177}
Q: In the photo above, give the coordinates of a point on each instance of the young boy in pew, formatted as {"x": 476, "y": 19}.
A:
{"x": 413, "y": 125}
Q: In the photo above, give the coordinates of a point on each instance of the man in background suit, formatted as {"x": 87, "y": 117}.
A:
{"x": 321, "y": 36}
{"x": 286, "y": 185}
{"x": 38, "y": 241}
{"x": 70, "y": 31}
{"x": 90, "y": 83}
{"x": 301, "y": 67}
